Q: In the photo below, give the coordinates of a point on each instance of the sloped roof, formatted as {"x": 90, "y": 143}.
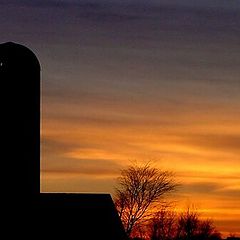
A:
{"x": 79, "y": 216}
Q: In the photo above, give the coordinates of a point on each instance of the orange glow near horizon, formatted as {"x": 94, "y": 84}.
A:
{"x": 87, "y": 154}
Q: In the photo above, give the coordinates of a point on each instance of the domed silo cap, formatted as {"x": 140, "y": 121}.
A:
{"x": 13, "y": 55}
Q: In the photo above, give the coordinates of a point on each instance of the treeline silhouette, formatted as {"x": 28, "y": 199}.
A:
{"x": 146, "y": 215}
{"x": 166, "y": 224}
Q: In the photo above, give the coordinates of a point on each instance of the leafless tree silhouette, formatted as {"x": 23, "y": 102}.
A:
{"x": 139, "y": 187}
{"x": 163, "y": 224}
{"x": 167, "y": 225}
{"x": 191, "y": 227}
{"x": 187, "y": 224}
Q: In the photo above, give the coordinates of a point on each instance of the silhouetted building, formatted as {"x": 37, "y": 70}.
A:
{"x": 20, "y": 80}
{"x": 31, "y": 214}
{"x": 76, "y": 215}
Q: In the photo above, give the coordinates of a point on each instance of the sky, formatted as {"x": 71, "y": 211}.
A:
{"x": 142, "y": 81}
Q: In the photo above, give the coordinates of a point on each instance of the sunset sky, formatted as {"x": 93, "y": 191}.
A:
{"x": 138, "y": 80}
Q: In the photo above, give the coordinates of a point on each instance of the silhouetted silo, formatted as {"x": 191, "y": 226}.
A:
{"x": 29, "y": 213}
{"x": 20, "y": 73}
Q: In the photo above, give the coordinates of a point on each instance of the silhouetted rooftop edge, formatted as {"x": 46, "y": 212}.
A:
{"x": 89, "y": 200}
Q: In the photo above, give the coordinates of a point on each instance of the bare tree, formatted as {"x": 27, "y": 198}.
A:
{"x": 187, "y": 225}
{"x": 139, "y": 187}
{"x": 191, "y": 227}
{"x": 163, "y": 224}
{"x": 167, "y": 225}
